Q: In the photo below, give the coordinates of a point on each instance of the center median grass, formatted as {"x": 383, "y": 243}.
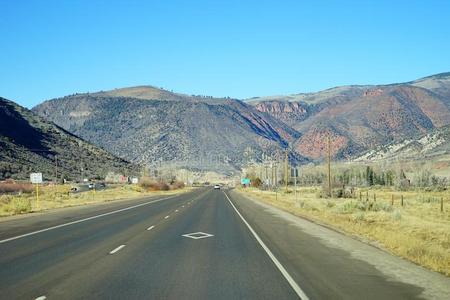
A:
{"x": 417, "y": 231}
{"x": 51, "y": 197}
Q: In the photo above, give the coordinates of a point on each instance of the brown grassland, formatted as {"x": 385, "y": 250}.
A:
{"x": 417, "y": 231}
{"x": 60, "y": 196}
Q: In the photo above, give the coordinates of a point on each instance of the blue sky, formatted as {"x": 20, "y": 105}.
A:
{"x": 221, "y": 48}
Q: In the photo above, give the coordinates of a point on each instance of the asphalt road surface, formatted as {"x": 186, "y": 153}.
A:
{"x": 206, "y": 244}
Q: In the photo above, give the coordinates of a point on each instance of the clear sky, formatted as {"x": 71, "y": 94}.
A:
{"x": 221, "y": 48}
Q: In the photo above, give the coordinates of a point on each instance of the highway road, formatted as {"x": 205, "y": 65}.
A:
{"x": 206, "y": 244}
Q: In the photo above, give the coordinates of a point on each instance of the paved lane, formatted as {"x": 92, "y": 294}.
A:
{"x": 75, "y": 262}
{"x": 138, "y": 250}
{"x": 30, "y": 263}
{"x": 330, "y": 265}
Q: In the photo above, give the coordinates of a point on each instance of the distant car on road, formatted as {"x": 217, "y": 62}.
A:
{"x": 91, "y": 185}
{"x": 217, "y": 187}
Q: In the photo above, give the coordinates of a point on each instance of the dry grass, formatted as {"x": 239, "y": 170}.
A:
{"x": 418, "y": 231}
{"x": 59, "y": 196}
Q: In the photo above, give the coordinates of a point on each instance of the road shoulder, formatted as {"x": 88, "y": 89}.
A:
{"x": 433, "y": 285}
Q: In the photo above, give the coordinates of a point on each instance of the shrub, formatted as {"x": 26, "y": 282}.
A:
{"x": 12, "y": 187}
{"x": 377, "y": 206}
{"x": 396, "y": 215}
{"x": 425, "y": 199}
{"x": 177, "y": 185}
{"x": 257, "y": 182}
{"x": 363, "y": 205}
{"x": 359, "y": 217}
{"x": 160, "y": 186}
{"x": 149, "y": 184}
{"x": 146, "y": 182}
{"x": 330, "y": 204}
{"x": 347, "y": 207}
{"x": 337, "y": 191}
{"x": 21, "y": 205}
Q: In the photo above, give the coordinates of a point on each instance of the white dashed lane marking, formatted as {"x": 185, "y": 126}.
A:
{"x": 117, "y": 249}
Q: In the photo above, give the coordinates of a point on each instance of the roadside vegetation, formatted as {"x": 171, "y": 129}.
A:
{"x": 149, "y": 184}
{"x": 418, "y": 230}
{"x": 20, "y": 198}
{"x": 404, "y": 211}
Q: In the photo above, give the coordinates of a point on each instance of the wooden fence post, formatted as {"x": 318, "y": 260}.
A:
{"x": 442, "y": 204}
{"x": 402, "y": 200}
{"x": 392, "y": 199}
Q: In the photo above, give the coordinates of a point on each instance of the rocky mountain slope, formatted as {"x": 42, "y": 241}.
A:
{"x": 147, "y": 125}
{"x": 433, "y": 144}
{"x": 359, "y": 118}
{"x": 29, "y": 143}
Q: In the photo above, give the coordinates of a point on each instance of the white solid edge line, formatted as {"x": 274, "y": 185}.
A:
{"x": 280, "y": 267}
{"x": 117, "y": 249}
{"x": 151, "y": 227}
{"x": 82, "y": 220}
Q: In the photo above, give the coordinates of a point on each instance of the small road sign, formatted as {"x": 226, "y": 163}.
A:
{"x": 245, "y": 181}
{"x": 36, "y": 178}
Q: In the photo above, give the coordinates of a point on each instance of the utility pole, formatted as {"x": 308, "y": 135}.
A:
{"x": 295, "y": 183}
{"x": 329, "y": 166}
{"x": 272, "y": 181}
{"x": 56, "y": 169}
{"x": 82, "y": 171}
{"x": 160, "y": 170}
{"x": 261, "y": 173}
{"x": 266, "y": 178}
{"x": 286, "y": 170}
{"x": 276, "y": 175}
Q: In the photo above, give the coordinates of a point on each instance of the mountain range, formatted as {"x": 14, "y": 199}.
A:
{"x": 359, "y": 118}
{"x": 29, "y": 143}
{"x": 148, "y": 125}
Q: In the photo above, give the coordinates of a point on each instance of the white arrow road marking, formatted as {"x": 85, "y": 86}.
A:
{"x": 117, "y": 249}
{"x": 151, "y": 227}
{"x": 41, "y": 298}
{"x": 166, "y": 217}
